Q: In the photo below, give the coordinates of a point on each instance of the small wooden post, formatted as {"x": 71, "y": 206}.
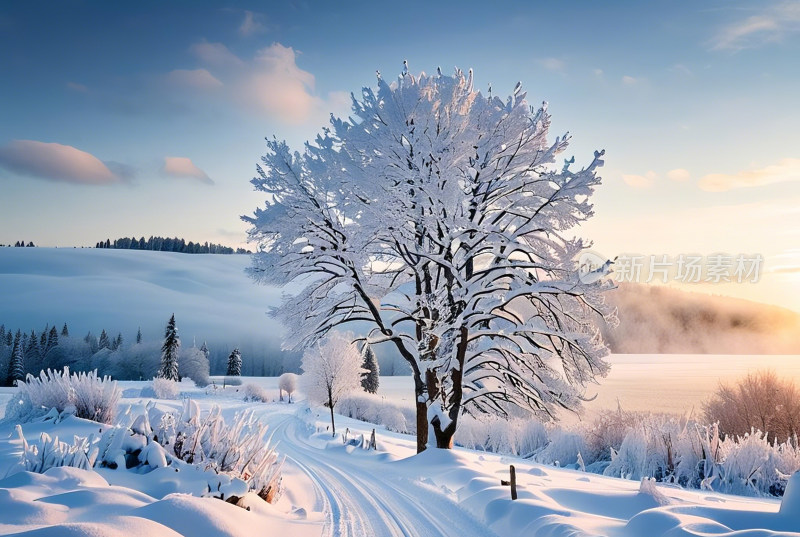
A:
{"x": 372, "y": 443}
{"x": 512, "y": 482}
{"x": 346, "y": 434}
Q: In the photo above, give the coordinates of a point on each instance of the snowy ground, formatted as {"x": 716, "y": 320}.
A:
{"x": 333, "y": 489}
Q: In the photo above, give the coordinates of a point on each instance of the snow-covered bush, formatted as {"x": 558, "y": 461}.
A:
{"x": 287, "y": 383}
{"x": 375, "y": 409}
{"x": 165, "y": 388}
{"x": 194, "y": 364}
{"x": 255, "y": 393}
{"x": 235, "y": 457}
{"x": 50, "y": 453}
{"x": 237, "y": 449}
{"x": 84, "y": 394}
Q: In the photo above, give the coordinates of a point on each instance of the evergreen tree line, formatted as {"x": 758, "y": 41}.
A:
{"x": 162, "y": 244}
{"x": 31, "y": 352}
{"x": 22, "y": 353}
{"x": 19, "y": 244}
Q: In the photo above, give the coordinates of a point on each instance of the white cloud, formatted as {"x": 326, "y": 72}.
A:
{"x": 278, "y": 87}
{"x": 785, "y": 170}
{"x": 640, "y": 181}
{"x": 270, "y": 84}
{"x": 215, "y": 54}
{"x": 598, "y": 73}
{"x": 184, "y": 167}
{"x": 629, "y": 80}
{"x": 679, "y": 174}
{"x": 193, "y": 78}
{"x": 552, "y": 64}
{"x": 251, "y": 24}
{"x": 771, "y": 25}
{"x": 55, "y": 162}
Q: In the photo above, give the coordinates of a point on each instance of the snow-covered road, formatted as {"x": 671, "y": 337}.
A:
{"x": 362, "y": 495}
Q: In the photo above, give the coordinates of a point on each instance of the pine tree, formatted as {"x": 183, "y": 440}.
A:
{"x": 371, "y": 379}
{"x": 117, "y": 343}
{"x": 65, "y": 331}
{"x": 139, "y": 336}
{"x": 104, "y": 342}
{"x": 43, "y": 339}
{"x": 9, "y": 338}
{"x": 234, "y": 364}
{"x": 16, "y": 370}
{"x": 52, "y": 340}
{"x": 169, "y": 352}
{"x": 32, "y": 353}
{"x": 205, "y": 351}
{"x": 2, "y": 333}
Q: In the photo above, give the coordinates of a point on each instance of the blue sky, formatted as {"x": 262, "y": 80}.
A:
{"x": 160, "y": 111}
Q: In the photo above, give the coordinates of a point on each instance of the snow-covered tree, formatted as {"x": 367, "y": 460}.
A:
{"x": 16, "y": 366}
{"x": 371, "y": 379}
{"x": 287, "y": 383}
{"x": 194, "y": 365}
{"x": 438, "y": 215}
{"x": 65, "y": 330}
{"x": 33, "y": 354}
{"x": 169, "y": 352}
{"x": 104, "y": 342}
{"x": 234, "y": 364}
{"x": 331, "y": 369}
{"x": 52, "y": 339}
{"x": 139, "y": 336}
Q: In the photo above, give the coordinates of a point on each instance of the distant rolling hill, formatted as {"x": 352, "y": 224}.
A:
{"x": 213, "y": 300}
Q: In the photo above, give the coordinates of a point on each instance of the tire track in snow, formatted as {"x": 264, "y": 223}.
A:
{"x": 359, "y": 501}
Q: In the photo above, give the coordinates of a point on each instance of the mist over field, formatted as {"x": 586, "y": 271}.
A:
{"x": 215, "y": 301}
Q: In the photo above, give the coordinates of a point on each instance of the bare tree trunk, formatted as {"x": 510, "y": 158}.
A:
{"x": 444, "y": 435}
{"x": 422, "y": 413}
{"x": 330, "y": 404}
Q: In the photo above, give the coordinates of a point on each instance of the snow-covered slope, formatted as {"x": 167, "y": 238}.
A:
{"x": 333, "y": 488}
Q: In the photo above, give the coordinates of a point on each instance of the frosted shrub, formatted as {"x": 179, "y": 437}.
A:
{"x": 287, "y": 383}
{"x": 165, "y": 388}
{"x": 234, "y": 457}
{"x": 51, "y": 453}
{"x": 631, "y": 461}
{"x": 84, "y": 394}
{"x": 375, "y": 409}
{"x": 237, "y": 449}
{"x": 255, "y": 393}
{"x": 562, "y": 449}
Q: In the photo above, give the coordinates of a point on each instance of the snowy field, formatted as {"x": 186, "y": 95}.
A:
{"x": 330, "y": 488}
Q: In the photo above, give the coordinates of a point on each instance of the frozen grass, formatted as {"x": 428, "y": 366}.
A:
{"x": 84, "y": 394}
